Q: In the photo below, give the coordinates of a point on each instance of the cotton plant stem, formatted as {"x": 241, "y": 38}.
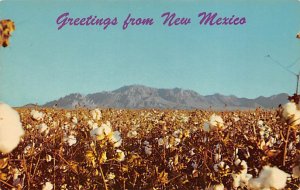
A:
{"x": 4, "y": 182}
{"x": 285, "y": 145}
{"x": 103, "y": 178}
{"x": 100, "y": 167}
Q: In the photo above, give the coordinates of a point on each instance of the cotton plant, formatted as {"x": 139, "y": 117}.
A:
{"x": 37, "y": 115}
{"x": 17, "y": 181}
{"x": 215, "y": 122}
{"x": 168, "y": 143}
{"x": 221, "y": 167}
{"x": 240, "y": 176}
{"x": 147, "y": 148}
{"x": 178, "y": 133}
{"x": 291, "y": 115}
{"x": 70, "y": 140}
{"x": 29, "y": 149}
{"x": 11, "y": 129}
{"x": 132, "y": 134}
{"x": 96, "y": 114}
{"x": 43, "y": 129}
{"x": 101, "y": 132}
{"x": 264, "y": 130}
{"x": 105, "y": 131}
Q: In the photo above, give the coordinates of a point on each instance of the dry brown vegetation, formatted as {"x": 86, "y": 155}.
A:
{"x": 179, "y": 154}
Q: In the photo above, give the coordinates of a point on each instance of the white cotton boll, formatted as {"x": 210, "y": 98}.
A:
{"x": 65, "y": 127}
{"x": 160, "y": 142}
{"x": 48, "y": 158}
{"x": 148, "y": 150}
{"x": 291, "y": 146}
{"x": 92, "y": 125}
{"x": 96, "y": 114}
{"x": 289, "y": 109}
{"x": 237, "y": 162}
{"x": 216, "y": 167}
{"x": 216, "y": 121}
{"x": 146, "y": 143}
{"x": 43, "y": 129}
{"x": 236, "y": 151}
{"x": 269, "y": 177}
{"x": 296, "y": 118}
{"x": 241, "y": 178}
{"x": 192, "y": 153}
{"x": 115, "y": 136}
{"x": 219, "y": 187}
{"x": 11, "y": 129}
{"x": 291, "y": 113}
{"x": 28, "y": 149}
{"x": 260, "y": 123}
{"x": 118, "y": 144}
{"x": 74, "y": 120}
{"x": 71, "y": 140}
{"x": 68, "y": 115}
{"x": 177, "y": 133}
{"x": 236, "y": 119}
{"x": 184, "y": 118}
{"x": 120, "y": 155}
{"x": 177, "y": 141}
{"x": 97, "y": 133}
{"x": 16, "y": 180}
{"x": 107, "y": 129}
{"x": 111, "y": 176}
{"x": 132, "y": 134}
{"x": 221, "y": 164}
{"x": 36, "y": 115}
{"x": 47, "y": 186}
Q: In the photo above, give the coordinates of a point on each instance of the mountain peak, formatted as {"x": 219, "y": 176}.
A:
{"x": 140, "y": 97}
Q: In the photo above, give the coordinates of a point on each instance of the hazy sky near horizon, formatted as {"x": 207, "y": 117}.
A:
{"x": 43, "y": 63}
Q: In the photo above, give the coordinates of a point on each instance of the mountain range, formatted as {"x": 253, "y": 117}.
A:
{"x": 139, "y": 97}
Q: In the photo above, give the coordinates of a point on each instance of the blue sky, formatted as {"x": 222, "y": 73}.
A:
{"x": 43, "y": 63}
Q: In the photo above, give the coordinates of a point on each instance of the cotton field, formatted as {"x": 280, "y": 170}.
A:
{"x": 149, "y": 149}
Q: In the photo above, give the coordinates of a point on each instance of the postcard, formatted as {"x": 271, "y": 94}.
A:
{"x": 148, "y": 94}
